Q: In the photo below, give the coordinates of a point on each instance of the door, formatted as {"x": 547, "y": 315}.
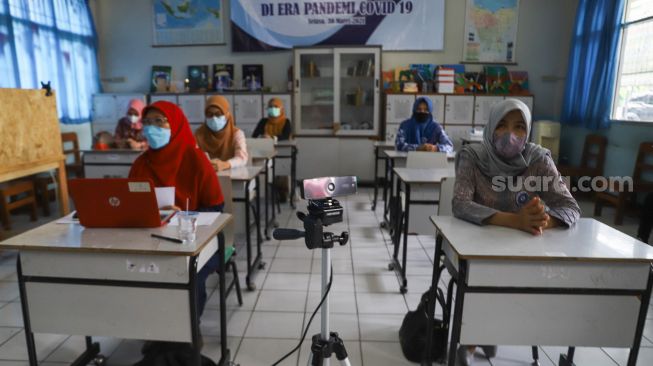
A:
{"x": 314, "y": 91}
{"x": 357, "y": 91}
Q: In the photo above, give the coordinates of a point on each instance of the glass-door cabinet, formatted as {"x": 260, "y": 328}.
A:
{"x": 337, "y": 91}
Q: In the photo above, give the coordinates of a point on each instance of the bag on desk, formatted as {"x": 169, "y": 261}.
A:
{"x": 412, "y": 334}
{"x": 170, "y": 354}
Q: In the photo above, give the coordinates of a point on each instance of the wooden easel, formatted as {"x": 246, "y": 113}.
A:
{"x": 30, "y": 138}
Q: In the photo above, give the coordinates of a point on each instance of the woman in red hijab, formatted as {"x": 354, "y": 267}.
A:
{"x": 174, "y": 160}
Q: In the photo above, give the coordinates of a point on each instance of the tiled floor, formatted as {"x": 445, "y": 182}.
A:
{"x": 366, "y": 306}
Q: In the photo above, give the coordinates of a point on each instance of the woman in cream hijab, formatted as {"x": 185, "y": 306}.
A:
{"x": 507, "y": 181}
{"x": 219, "y": 138}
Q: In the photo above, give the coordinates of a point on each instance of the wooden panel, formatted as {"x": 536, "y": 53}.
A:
{"x": 549, "y": 320}
{"x": 29, "y": 126}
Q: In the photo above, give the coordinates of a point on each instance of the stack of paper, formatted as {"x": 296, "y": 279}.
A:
{"x": 445, "y": 80}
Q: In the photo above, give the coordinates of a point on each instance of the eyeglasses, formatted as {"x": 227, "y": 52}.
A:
{"x": 155, "y": 121}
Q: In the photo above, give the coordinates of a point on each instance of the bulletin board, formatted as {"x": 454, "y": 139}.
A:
{"x": 30, "y": 138}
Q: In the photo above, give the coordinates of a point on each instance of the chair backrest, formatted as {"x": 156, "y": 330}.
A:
{"x": 227, "y": 193}
{"x": 71, "y": 137}
{"x": 260, "y": 146}
{"x": 426, "y": 160}
{"x": 644, "y": 164}
{"x": 594, "y": 153}
{"x": 446, "y": 196}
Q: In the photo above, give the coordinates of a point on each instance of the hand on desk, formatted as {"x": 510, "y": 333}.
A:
{"x": 428, "y": 147}
{"x": 531, "y": 218}
{"x": 220, "y": 165}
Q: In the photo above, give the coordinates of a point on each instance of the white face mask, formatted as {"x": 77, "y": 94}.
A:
{"x": 132, "y": 118}
{"x": 216, "y": 123}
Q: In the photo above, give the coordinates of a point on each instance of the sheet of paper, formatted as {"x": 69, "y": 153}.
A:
{"x": 204, "y": 219}
{"x": 68, "y": 219}
{"x": 165, "y": 196}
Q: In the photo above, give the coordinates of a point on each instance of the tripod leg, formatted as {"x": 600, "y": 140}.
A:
{"x": 338, "y": 347}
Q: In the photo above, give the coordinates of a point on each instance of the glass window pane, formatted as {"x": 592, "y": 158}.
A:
{"x": 316, "y": 96}
{"x": 37, "y": 11}
{"x": 639, "y": 9}
{"x": 635, "y": 89}
{"x": 357, "y": 91}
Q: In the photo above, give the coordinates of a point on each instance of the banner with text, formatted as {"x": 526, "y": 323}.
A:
{"x": 261, "y": 25}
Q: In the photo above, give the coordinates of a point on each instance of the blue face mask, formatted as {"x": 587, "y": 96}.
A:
{"x": 274, "y": 112}
{"x": 157, "y": 137}
{"x": 216, "y": 123}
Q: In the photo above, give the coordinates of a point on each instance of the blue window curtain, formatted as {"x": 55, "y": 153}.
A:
{"x": 593, "y": 62}
{"x": 51, "y": 40}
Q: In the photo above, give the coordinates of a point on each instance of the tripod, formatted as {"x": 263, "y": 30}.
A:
{"x": 321, "y": 213}
{"x": 326, "y": 343}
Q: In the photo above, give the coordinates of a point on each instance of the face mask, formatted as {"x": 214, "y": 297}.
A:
{"x": 132, "y": 118}
{"x": 216, "y": 123}
{"x": 274, "y": 112}
{"x": 508, "y": 145}
{"x": 157, "y": 137}
{"x": 421, "y": 117}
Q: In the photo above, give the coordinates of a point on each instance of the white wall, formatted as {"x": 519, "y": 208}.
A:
{"x": 125, "y": 38}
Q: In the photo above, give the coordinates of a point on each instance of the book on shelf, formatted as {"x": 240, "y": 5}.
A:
{"x": 253, "y": 76}
{"x": 518, "y": 82}
{"x": 496, "y": 79}
{"x": 198, "y": 78}
{"x": 223, "y": 76}
{"x": 161, "y": 79}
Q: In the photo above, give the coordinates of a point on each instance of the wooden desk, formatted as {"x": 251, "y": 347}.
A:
{"x": 270, "y": 192}
{"x": 379, "y": 147}
{"x": 408, "y": 177}
{"x": 115, "y": 282}
{"x": 108, "y": 163}
{"x": 245, "y": 176}
{"x": 588, "y": 286}
{"x": 288, "y": 150}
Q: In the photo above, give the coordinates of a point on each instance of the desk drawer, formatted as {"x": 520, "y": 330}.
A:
{"x": 124, "y": 267}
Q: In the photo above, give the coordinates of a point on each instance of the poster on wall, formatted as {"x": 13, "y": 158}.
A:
{"x": 187, "y": 22}
{"x": 263, "y": 25}
{"x": 491, "y": 31}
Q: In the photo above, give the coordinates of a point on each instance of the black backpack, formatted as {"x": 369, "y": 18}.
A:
{"x": 412, "y": 334}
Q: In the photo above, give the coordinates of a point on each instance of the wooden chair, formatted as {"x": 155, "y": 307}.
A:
{"x": 76, "y": 169}
{"x": 642, "y": 182}
{"x": 15, "y": 189}
{"x": 592, "y": 160}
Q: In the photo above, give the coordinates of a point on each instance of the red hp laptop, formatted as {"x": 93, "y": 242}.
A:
{"x": 117, "y": 202}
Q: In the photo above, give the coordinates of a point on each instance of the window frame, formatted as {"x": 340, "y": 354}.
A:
{"x": 622, "y": 29}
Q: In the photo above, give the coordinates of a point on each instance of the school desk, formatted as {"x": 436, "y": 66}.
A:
{"x": 108, "y": 163}
{"x": 116, "y": 283}
{"x": 586, "y": 286}
{"x": 245, "y": 180}
{"x": 287, "y": 149}
{"x": 379, "y": 147}
{"x": 267, "y": 160}
{"x": 425, "y": 182}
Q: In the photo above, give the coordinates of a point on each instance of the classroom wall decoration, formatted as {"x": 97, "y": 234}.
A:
{"x": 491, "y": 31}
{"x": 188, "y": 22}
{"x": 263, "y": 25}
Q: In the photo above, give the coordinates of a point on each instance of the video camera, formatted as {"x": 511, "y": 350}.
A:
{"x": 323, "y": 210}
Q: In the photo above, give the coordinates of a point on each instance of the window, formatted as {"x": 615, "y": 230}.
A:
{"x": 633, "y": 100}
{"x": 50, "y": 40}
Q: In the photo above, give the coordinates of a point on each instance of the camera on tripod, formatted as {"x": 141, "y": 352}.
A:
{"x": 323, "y": 210}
